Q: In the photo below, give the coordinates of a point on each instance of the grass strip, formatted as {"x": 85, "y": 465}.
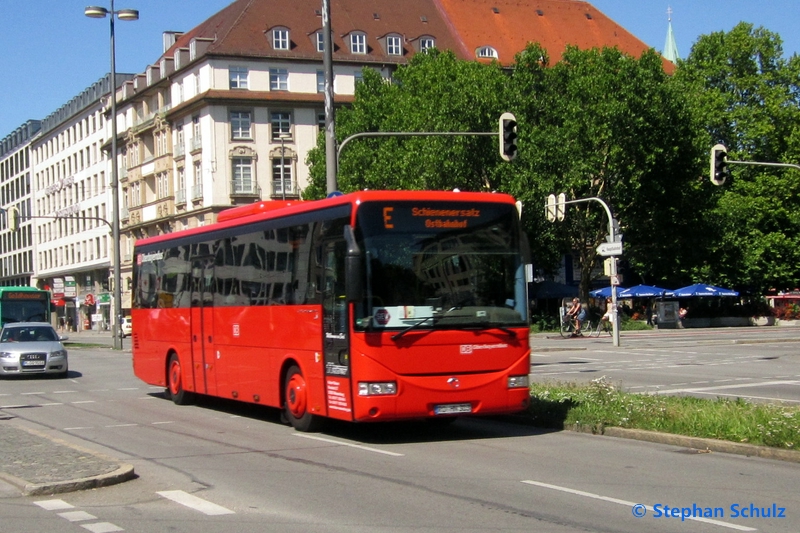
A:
{"x": 600, "y": 404}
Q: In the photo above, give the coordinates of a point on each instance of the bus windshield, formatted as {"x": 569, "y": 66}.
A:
{"x": 441, "y": 265}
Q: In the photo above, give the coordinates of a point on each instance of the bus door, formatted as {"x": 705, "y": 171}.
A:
{"x": 336, "y": 341}
{"x": 202, "y": 319}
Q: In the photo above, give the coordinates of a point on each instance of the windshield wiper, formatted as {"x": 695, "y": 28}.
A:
{"x": 415, "y": 325}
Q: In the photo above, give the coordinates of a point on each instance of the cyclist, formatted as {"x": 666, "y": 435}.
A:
{"x": 577, "y": 313}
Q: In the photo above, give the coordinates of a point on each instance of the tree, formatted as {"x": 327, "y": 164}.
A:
{"x": 604, "y": 124}
{"x": 748, "y": 96}
{"x": 435, "y": 92}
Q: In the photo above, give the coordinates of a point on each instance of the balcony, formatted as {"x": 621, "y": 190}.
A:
{"x": 290, "y": 189}
{"x": 249, "y": 188}
{"x": 197, "y": 144}
{"x": 180, "y": 197}
{"x": 197, "y": 192}
{"x": 178, "y": 151}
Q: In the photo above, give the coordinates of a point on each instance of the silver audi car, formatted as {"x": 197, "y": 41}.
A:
{"x": 32, "y": 348}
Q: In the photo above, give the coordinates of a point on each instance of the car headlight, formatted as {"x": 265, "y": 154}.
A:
{"x": 6, "y": 355}
{"x": 58, "y": 353}
{"x": 366, "y": 388}
{"x": 518, "y": 382}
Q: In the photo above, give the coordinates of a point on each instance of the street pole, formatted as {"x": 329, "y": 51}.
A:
{"x": 123, "y": 14}
{"x": 331, "y": 162}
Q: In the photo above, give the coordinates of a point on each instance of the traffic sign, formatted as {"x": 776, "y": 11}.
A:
{"x": 89, "y": 299}
{"x": 610, "y": 248}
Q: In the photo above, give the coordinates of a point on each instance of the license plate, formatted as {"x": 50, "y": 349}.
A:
{"x": 32, "y": 363}
{"x": 452, "y": 408}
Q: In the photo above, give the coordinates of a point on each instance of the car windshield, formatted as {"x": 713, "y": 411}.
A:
{"x": 31, "y": 334}
{"x": 454, "y": 266}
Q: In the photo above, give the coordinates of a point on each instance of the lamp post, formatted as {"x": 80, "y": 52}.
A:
{"x": 123, "y": 14}
{"x": 283, "y": 137}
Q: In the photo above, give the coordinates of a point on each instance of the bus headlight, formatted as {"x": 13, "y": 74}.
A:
{"x": 518, "y": 382}
{"x": 366, "y": 388}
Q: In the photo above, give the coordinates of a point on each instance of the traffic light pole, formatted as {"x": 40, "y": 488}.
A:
{"x": 612, "y": 226}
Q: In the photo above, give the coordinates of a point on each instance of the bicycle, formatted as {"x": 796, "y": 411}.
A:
{"x": 568, "y": 327}
{"x": 602, "y": 326}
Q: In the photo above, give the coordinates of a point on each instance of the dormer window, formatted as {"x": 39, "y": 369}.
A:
{"x": 426, "y": 43}
{"x": 320, "y": 41}
{"x": 394, "y": 45}
{"x": 486, "y": 52}
{"x": 358, "y": 43}
{"x": 280, "y": 39}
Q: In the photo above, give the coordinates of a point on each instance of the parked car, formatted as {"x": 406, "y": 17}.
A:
{"x": 32, "y": 348}
{"x": 127, "y": 326}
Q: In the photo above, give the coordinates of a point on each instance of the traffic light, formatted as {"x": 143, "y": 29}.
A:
{"x": 13, "y": 219}
{"x": 508, "y": 136}
{"x": 719, "y": 164}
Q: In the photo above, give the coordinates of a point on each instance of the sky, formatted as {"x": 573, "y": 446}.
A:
{"x": 51, "y": 51}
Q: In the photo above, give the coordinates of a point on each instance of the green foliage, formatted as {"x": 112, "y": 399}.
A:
{"x": 600, "y": 404}
{"x": 600, "y": 123}
{"x": 748, "y": 97}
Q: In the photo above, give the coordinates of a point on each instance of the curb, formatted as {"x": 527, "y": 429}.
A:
{"x": 26, "y": 447}
{"x": 696, "y": 443}
{"x": 121, "y": 474}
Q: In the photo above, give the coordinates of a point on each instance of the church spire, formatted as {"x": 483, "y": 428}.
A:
{"x": 670, "y": 47}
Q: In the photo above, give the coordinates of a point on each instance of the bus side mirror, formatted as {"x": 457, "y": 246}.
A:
{"x": 353, "y": 267}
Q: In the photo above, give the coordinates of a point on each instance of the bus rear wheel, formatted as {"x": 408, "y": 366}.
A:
{"x": 296, "y": 402}
{"x": 175, "y": 389}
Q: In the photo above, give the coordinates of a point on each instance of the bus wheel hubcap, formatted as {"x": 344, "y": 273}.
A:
{"x": 296, "y": 395}
{"x": 175, "y": 377}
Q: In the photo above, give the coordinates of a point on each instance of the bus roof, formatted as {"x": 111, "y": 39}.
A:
{"x": 267, "y": 210}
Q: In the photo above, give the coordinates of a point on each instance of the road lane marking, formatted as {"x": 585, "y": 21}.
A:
{"x": 121, "y": 426}
{"x": 102, "y": 527}
{"x": 77, "y": 516}
{"x": 631, "y": 504}
{"x": 340, "y": 443}
{"x": 84, "y": 401}
{"x": 54, "y": 505}
{"x": 193, "y": 502}
{"x": 723, "y": 387}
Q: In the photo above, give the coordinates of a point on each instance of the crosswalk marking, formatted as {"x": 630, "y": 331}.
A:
{"x": 54, "y": 505}
{"x": 77, "y": 516}
{"x": 102, "y": 527}
{"x": 193, "y": 502}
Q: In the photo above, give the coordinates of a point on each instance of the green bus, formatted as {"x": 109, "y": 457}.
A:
{"x": 24, "y": 304}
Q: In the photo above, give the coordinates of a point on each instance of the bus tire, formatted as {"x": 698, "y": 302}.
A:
{"x": 175, "y": 390}
{"x": 296, "y": 402}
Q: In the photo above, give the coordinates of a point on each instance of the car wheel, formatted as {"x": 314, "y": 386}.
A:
{"x": 296, "y": 402}
{"x": 175, "y": 389}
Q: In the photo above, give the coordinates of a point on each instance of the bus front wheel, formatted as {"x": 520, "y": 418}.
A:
{"x": 175, "y": 389}
{"x": 296, "y": 402}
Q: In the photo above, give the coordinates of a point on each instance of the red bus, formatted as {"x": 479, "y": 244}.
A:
{"x": 363, "y": 307}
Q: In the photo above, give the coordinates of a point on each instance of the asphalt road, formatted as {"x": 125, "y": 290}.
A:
{"x": 759, "y": 364}
{"x": 223, "y": 466}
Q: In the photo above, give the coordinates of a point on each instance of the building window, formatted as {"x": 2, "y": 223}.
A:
{"x": 320, "y": 81}
{"x": 282, "y": 168}
{"x": 320, "y": 41}
{"x": 162, "y": 185}
{"x": 426, "y": 43}
{"x": 280, "y": 39}
{"x": 394, "y": 45}
{"x": 320, "y": 121}
{"x": 358, "y": 77}
{"x": 238, "y": 77}
{"x": 487, "y": 52}
{"x": 278, "y": 79}
{"x": 358, "y": 43}
{"x": 240, "y": 125}
{"x": 242, "y": 172}
{"x": 281, "y": 124}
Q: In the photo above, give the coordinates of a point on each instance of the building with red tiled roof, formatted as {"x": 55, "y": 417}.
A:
{"x": 229, "y": 111}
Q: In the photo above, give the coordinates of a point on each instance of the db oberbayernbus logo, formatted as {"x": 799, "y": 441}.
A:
{"x": 382, "y": 317}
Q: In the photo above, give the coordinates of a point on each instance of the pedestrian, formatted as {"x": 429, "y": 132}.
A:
{"x": 70, "y": 323}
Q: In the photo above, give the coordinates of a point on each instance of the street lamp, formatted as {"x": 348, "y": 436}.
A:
{"x": 283, "y": 137}
{"x": 122, "y": 14}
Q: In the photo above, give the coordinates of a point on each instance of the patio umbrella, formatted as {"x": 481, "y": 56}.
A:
{"x": 605, "y": 292}
{"x": 641, "y": 291}
{"x": 700, "y": 289}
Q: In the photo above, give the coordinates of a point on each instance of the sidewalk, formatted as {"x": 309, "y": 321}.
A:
{"x": 36, "y": 463}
